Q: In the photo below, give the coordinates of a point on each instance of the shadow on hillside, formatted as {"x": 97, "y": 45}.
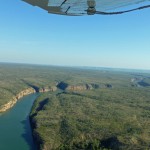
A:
{"x": 31, "y": 85}
{"x": 42, "y": 104}
{"x": 27, "y": 135}
{"x": 111, "y": 143}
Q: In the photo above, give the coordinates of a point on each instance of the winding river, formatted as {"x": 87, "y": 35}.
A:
{"x": 15, "y": 129}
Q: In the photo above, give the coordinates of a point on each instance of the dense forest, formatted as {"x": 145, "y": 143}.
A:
{"x": 83, "y": 108}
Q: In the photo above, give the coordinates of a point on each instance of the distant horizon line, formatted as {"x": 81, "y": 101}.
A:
{"x": 83, "y": 67}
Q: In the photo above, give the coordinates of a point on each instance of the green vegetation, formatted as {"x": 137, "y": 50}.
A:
{"x": 102, "y": 109}
{"x": 104, "y": 118}
{"x": 16, "y": 77}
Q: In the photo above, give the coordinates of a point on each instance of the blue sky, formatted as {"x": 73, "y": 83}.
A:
{"x": 30, "y": 35}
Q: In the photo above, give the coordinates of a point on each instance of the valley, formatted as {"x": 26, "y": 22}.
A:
{"x": 80, "y": 108}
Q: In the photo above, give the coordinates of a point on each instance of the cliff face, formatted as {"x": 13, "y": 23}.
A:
{"x": 61, "y": 85}
{"x": 66, "y": 86}
{"x": 79, "y": 87}
{"x": 82, "y": 87}
{"x": 16, "y": 98}
{"x": 48, "y": 89}
{"x": 8, "y": 105}
{"x": 87, "y": 87}
{"x": 25, "y": 92}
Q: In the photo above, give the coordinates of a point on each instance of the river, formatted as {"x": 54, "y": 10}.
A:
{"x": 15, "y": 129}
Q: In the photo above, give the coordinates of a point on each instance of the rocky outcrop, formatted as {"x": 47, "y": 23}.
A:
{"x": 8, "y": 105}
{"x": 81, "y": 87}
{"x": 60, "y": 85}
{"x": 16, "y": 98}
{"x": 48, "y": 89}
{"x": 66, "y": 86}
{"x": 23, "y": 93}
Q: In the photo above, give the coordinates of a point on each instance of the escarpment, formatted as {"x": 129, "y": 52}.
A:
{"x": 79, "y": 87}
{"x": 14, "y": 100}
{"x": 48, "y": 89}
{"x": 82, "y": 87}
{"x": 61, "y": 85}
{"x": 25, "y": 92}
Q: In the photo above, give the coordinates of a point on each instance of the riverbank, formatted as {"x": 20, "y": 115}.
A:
{"x": 61, "y": 86}
{"x": 23, "y": 93}
{"x": 14, "y": 100}
{"x": 15, "y": 128}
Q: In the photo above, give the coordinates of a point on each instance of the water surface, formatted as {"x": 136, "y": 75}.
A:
{"x": 15, "y": 130}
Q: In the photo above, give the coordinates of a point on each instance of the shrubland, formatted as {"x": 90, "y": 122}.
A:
{"x": 90, "y": 109}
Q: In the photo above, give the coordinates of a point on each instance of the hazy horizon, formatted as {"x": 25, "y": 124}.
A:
{"x": 81, "y": 67}
{"x": 31, "y": 35}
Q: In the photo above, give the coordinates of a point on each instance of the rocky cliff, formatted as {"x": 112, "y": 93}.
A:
{"x": 79, "y": 87}
{"x": 61, "y": 85}
{"x": 16, "y": 98}
{"x": 25, "y": 92}
{"x": 48, "y": 89}
{"x": 82, "y": 87}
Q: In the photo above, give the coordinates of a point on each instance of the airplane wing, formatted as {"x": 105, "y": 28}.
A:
{"x": 90, "y": 7}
